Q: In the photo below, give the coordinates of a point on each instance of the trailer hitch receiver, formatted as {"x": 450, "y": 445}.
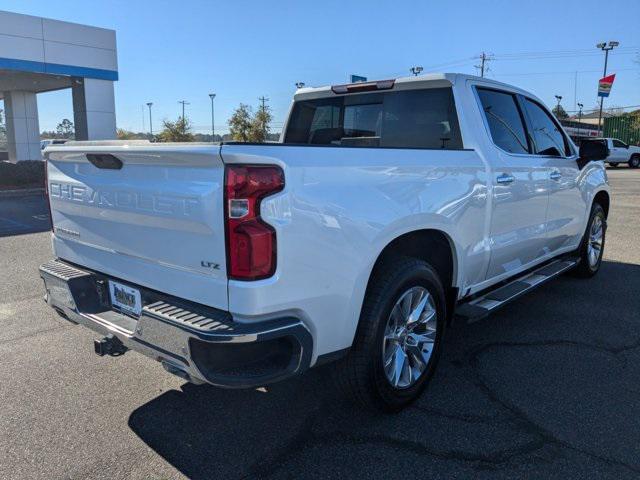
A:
{"x": 109, "y": 345}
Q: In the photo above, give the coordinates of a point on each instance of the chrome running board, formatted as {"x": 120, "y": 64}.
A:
{"x": 481, "y": 306}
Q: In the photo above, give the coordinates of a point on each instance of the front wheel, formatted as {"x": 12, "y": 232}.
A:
{"x": 634, "y": 162}
{"x": 592, "y": 246}
{"x": 398, "y": 340}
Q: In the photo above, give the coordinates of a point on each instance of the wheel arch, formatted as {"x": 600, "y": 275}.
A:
{"x": 602, "y": 197}
{"x": 435, "y": 247}
{"x": 431, "y": 245}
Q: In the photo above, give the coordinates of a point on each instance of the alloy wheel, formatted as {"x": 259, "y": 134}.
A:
{"x": 409, "y": 337}
{"x": 596, "y": 239}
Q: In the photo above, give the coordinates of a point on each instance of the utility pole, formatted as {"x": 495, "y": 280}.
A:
{"x": 149, "y": 104}
{"x": 183, "y": 102}
{"x": 484, "y": 58}
{"x": 605, "y": 47}
{"x": 264, "y": 99}
{"x": 213, "y": 128}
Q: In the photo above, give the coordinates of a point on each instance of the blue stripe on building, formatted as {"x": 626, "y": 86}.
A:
{"x": 57, "y": 69}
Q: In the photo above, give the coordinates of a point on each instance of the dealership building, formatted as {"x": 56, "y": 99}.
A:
{"x": 42, "y": 55}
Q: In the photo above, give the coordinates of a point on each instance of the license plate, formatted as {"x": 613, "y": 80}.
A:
{"x": 125, "y": 298}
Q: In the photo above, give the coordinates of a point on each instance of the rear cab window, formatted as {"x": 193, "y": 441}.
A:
{"x": 421, "y": 118}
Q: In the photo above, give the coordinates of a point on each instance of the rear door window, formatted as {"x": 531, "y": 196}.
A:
{"x": 407, "y": 119}
{"x": 505, "y": 120}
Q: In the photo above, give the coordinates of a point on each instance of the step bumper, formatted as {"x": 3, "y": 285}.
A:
{"x": 199, "y": 343}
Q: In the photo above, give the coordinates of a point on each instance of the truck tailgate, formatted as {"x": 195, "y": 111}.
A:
{"x": 157, "y": 221}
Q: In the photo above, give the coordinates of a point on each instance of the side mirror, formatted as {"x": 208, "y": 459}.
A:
{"x": 592, "y": 150}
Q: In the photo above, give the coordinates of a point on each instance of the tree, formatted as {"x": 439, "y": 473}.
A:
{"x": 244, "y": 126}
{"x": 240, "y": 123}
{"x": 559, "y": 112}
{"x": 123, "y": 134}
{"x": 178, "y": 131}
{"x": 260, "y": 125}
{"x": 65, "y": 129}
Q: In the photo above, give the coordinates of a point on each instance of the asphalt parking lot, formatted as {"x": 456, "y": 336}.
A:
{"x": 547, "y": 387}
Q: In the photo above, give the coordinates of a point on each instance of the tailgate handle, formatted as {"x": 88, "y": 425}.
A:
{"x": 105, "y": 160}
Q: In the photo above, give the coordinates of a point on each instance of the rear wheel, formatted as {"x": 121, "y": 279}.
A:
{"x": 634, "y": 161}
{"x": 397, "y": 344}
{"x": 592, "y": 246}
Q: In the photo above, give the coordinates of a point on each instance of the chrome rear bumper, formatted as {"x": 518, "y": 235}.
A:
{"x": 199, "y": 343}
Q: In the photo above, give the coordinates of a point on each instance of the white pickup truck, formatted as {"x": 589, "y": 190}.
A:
{"x": 388, "y": 209}
{"x": 620, "y": 152}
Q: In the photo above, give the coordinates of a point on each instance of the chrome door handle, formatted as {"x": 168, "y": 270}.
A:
{"x": 505, "y": 178}
{"x": 555, "y": 176}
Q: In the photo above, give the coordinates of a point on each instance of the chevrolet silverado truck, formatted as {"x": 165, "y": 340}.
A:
{"x": 387, "y": 210}
{"x": 620, "y": 152}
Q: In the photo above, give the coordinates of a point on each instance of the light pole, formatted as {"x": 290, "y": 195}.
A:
{"x": 416, "y": 70}
{"x": 149, "y": 104}
{"x": 300, "y": 85}
{"x": 213, "y": 128}
{"x": 559, "y": 98}
{"x": 580, "y": 105}
{"x": 605, "y": 47}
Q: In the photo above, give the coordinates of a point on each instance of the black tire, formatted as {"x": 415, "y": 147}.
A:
{"x": 586, "y": 268}
{"x": 634, "y": 161}
{"x": 614, "y": 164}
{"x": 361, "y": 374}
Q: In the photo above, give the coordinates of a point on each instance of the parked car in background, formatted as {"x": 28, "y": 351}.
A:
{"x": 387, "y": 209}
{"x": 620, "y": 152}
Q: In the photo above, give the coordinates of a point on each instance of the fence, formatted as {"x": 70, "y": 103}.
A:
{"x": 625, "y": 127}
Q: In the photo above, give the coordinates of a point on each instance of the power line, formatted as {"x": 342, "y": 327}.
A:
{"x": 559, "y": 72}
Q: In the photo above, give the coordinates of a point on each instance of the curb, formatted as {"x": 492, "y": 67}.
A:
{"x": 22, "y": 192}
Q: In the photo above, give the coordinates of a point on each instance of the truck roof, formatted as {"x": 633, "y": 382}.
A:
{"x": 410, "y": 82}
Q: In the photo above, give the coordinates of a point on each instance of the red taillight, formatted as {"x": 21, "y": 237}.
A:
{"x": 251, "y": 243}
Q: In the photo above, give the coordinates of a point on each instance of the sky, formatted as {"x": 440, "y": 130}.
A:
{"x": 241, "y": 50}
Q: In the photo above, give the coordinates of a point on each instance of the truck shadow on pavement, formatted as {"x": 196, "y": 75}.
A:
{"x": 23, "y": 214}
{"x": 546, "y": 387}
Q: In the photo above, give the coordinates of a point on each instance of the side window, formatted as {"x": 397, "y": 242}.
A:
{"x": 619, "y": 144}
{"x": 547, "y": 134}
{"x": 504, "y": 119}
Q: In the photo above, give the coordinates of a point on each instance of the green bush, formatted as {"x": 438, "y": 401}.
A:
{"x": 27, "y": 174}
